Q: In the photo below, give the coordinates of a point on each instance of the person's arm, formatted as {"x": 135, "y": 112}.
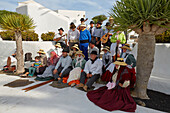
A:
{"x": 99, "y": 65}
{"x": 83, "y": 64}
{"x": 69, "y": 60}
{"x": 68, "y": 37}
{"x": 73, "y": 63}
{"x": 122, "y": 38}
{"x": 86, "y": 68}
{"x": 78, "y": 35}
{"x": 103, "y": 60}
{"x": 89, "y": 35}
{"x": 58, "y": 63}
{"x": 133, "y": 60}
{"x": 113, "y": 38}
{"x": 57, "y": 38}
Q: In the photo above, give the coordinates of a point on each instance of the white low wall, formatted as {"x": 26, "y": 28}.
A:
{"x": 160, "y": 77}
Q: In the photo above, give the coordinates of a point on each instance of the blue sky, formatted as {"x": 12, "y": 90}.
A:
{"x": 92, "y": 7}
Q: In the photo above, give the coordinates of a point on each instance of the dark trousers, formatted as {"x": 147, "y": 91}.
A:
{"x": 98, "y": 45}
{"x": 64, "y": 74}
{"x": 90, "y": 81}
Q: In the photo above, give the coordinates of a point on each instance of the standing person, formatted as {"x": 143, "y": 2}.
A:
{"x": 109, "y": 33}
{"x": 91, "y": 29}
{"x": 82, "y": 20}
{"x": 92, "y": 47}
{"x": 92, "y": 70}
{"x": 63, "y": 67}
{"x": 77, "y": 65}
{"x": 61, "y": 38}
{"x": 116, "y": 95}
{"x": 84, "y": 39}
{"x": 97, "y": 34}
{"x": 58, "y": 50}
{"x": 118, "y": 39}
{"x": 73, "y": 36}
{"x": 43, "y": 59}
{"x": 48, "y": 73}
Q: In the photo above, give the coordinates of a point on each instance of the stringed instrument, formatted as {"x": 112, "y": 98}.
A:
{"x": 106, "y": 36}
{"x": 57, "y": 39}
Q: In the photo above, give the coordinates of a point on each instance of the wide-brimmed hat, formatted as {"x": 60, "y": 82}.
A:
{"x": 75, "y": 46}
{"x": 107, "y": 24}
{"x": 79, "y": 53}
{"x": 58, "y": 45}
{"x": 83, "y": 25}
{"x": 41, "y": 51}
{"x": 61, "y": 29}
{"x": 99, "y": 22}
{"x": 94, "y": 52}
{"x": 91, "y": 22}
{"x": 120, "y": 61}
{"x": 126, "y": 46}
{"x": 82, "y": 19}
{"x": 66, "y": 49}
{"x": 106, "y": 48}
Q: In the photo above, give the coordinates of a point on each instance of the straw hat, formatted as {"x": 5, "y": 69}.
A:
{"x": 41, "y": 51}
{"x": 83, "y": 25}
{"x": 120, "y": 62}
{"x": 80, "y": 52}
{"x": 58, "y": 45}
{"x": 106, "y": 48}
{"x": 126, "y": 46}
{"x": 75, "y": 46}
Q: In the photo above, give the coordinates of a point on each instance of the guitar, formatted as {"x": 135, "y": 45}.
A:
{"x": 105, "y": 37}
{"x": 57, "y": 39}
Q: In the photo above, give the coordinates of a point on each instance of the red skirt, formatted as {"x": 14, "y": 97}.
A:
{"x": 106, "y": 76}
{"x": 114, "y": 99}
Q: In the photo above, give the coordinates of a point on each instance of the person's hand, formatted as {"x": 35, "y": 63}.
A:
{"x": 60, "y": 74}
{"x": 96, "y": 39}
{"x": 118, "y": 41}
{"x": 55, "y": 71}
{"x": 97, "y": 42}
{"x": 90, "y": 75}
{"x": 120, "y": 85}
{"x": 68, "y": 44}
{"x": 32, "y": 65}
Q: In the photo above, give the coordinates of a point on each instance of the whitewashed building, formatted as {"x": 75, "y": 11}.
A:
{"x": 48, "y": 20}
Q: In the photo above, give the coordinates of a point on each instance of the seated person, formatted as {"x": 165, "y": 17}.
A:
{"x": 92, "y": 70}
{"x": 128, "y": 57}
{"x": 63, "y": 66}
{"x": 34, "y": 67}
{"x": 58, "y": 50}
{"x": 78, "y": 65}
{"x": 108, "y": 66}
{"x": 92, "y": 47}
{"x": 11, "y": 63}
{"x": 48, "y": 73}
{"x": 116, "y": 94}
{"x": 74, "y": 48}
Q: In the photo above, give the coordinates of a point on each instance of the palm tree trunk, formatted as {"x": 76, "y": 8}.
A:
{"x": 145, "y": 60}
{"x": 19, "y": 54}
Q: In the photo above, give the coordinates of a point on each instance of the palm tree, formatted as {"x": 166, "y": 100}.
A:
{"x": 147, "y": 18}
{"x": 17, "y": 23}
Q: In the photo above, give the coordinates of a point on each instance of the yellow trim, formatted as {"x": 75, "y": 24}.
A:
{"x": 83, "y": 29}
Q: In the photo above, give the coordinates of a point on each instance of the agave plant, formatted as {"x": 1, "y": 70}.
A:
{"x": 99, "y": 18}
{"x": 17, "y": 23}
{"x": 147, "y": 18}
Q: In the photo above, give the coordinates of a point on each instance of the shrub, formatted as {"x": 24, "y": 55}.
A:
{"x": 26, "y": 36}
{"x": 163, "y": 38}
{"x": 47, "y": 36}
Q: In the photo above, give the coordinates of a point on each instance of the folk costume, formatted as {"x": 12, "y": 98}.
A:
{"x": 116, "y": 96}
{"x": 85, "y": 38}
{"x": 73, "y": 51}
{"x": 78, "y": 65}
{"x": 58, "y": 50}
{"x": 63, "y": 66}
{"x": 94, "y": 49}
{"x": 93, "y": 67}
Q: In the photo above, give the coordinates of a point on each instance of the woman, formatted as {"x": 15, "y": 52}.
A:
{"x": 116, "y": 95}
{"x": 43, "y": 59}
{"x": 74, "y": 48}
{"x": 52, "y": 61}
{"x": 78, "y": 65}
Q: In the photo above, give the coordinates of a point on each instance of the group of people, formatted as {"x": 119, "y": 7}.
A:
{"x": 82, "y": 67}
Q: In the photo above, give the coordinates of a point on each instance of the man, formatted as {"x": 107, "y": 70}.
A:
{"x": 73, "y": 36}
{"x": 84, "y": 39}
{"x": 97, "y": 34}
{"x": 92, "y": 70}
{"x": 61, "y": 38}
{"x": 118, "y": 39}
{"x": 63, "y": 66}
{"x": 92, "y": 47}
{"x": 110, "y": 33}
{"x": 91, "y": 29}
{"x": 82, "y": 22}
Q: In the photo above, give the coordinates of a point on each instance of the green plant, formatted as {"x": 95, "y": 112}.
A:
{"x": 99, "y": 18}
{"x": 163, "y": 38}
{"x": 47, "y": 36}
